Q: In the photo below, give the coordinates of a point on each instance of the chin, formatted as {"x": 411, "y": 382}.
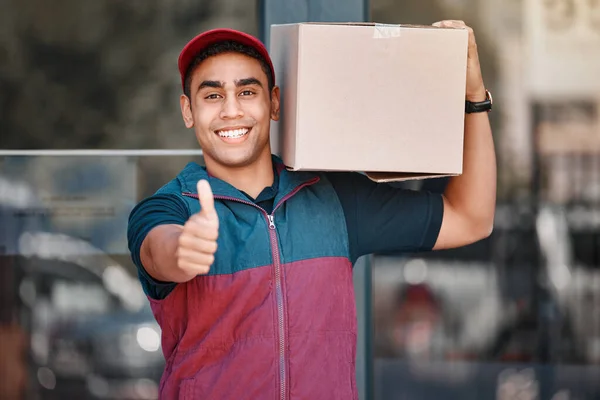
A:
{"x": 237, "y": 156}
{"x": 233, "y": 160}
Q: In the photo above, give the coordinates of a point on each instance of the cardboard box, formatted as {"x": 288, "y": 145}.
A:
{"x": 388, "y": 100}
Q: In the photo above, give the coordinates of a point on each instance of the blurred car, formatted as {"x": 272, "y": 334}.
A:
{"x": 93, "y": 335}
{"x": 515, "y": 311}
{"x": 112, "y": 356}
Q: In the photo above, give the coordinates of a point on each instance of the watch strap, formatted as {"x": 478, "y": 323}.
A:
{"x": 481, "y": 106}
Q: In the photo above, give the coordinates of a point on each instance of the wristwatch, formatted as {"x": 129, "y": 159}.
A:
{"x": 481, "y": 106}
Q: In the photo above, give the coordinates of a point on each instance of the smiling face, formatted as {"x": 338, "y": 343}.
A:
{"x": 230, "y": 109}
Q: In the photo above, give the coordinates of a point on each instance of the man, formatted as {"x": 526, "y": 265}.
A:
{"x": 248, "y": 267}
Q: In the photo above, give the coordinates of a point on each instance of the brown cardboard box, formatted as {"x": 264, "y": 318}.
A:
{"x": 388, "y": 100}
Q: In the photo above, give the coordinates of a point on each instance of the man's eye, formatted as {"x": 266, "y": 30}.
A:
{"x": 247, "y": 93}
{"x": 212, "y": 96}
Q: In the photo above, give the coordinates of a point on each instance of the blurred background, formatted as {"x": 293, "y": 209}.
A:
{"x": 90, "y": 124}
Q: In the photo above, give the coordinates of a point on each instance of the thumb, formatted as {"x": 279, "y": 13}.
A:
{"x": 207, "y": 201}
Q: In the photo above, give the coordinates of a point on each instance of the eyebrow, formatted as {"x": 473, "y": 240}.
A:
{"x": 211, "y": 84}
{"x": 248, "y": 82}
{"x": 238, "y": 83}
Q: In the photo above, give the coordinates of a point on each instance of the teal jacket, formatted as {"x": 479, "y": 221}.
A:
{"x": 275, "y": 317}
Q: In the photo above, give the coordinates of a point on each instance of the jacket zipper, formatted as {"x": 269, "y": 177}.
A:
{"x": 278, "y": 275}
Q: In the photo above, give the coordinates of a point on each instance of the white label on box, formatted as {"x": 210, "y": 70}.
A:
{"x": 386, "y": 31}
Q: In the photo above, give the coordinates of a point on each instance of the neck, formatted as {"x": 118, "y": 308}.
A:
{"x": 250, "y": 179}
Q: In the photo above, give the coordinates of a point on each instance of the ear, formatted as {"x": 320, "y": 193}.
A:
{"x": 186, "y": 111}
{"x": 275, "y": 103}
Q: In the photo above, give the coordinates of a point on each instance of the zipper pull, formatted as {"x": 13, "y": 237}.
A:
{"x": 271, "y": 222}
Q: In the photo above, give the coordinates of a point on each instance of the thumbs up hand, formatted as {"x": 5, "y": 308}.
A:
{"x": 198, "y": 240}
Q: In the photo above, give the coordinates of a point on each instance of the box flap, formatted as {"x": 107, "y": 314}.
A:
{"x": 340, "y": 23}
{"x": 383, "y": 177}
{"x": 373, "y": 24}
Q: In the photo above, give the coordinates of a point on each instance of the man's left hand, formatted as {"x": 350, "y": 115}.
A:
{"x": 475, "y": 86}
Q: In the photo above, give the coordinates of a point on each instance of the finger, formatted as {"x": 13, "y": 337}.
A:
{"x": 193, "y": 268}
{"x": 199, "y": 226}
{"x": 207, "y": 201}
{"x": 472, "y": 43}
{"x": 195, "y": 243}
{"x": 195, "y": 257}
{"x": 452, "y": 24}
{"x": 456, "y": 22}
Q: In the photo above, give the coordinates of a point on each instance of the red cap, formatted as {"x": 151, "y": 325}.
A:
{"x": 208, "y": 38}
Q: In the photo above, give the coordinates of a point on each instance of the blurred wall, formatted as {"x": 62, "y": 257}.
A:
{"x": 101, "y": 74}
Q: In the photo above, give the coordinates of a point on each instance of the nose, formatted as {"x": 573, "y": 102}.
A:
{"x": 231, "y": 108}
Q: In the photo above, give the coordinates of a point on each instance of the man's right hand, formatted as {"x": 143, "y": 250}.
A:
{"x": 198, "y": 240}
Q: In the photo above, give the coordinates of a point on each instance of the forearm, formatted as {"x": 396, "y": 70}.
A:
{"x": 470, "y": 199}
{"x": 159, "y": 254}
{"x": 473, "y": 194}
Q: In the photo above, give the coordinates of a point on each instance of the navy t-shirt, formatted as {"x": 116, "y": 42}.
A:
{"x": 379, "y": 219}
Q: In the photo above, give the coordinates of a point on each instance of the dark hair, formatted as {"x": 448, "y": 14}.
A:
{"x": 220, "y": 48}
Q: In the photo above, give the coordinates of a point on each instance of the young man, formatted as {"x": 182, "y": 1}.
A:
{"x": 248, "y": 267}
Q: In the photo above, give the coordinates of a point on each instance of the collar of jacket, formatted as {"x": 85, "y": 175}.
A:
{"x": 288, "y": 181}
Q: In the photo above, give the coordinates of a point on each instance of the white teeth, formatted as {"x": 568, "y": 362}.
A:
{"x": 236, "y": 133}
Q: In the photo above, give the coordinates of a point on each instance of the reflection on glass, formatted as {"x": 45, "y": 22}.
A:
{"x": 514, "y": 316}
{"x": 77, "y": 304}
{"x": 83, "y": 197}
